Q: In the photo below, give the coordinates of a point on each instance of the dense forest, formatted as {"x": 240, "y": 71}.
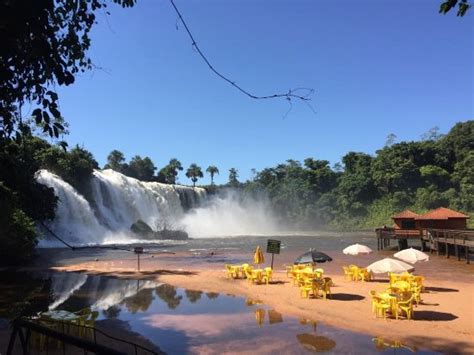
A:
{"x": 362, "y": 192}
{"x": 365, "y": 190}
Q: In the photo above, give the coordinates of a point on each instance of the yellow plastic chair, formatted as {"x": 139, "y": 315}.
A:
{"x": 309, "y": 286}
{"x": 244, "y": 268}
{"x": 416, "y": 291}
{"x": 267, "y": 276}
{"x": 230, "y": 271}
{"x": 305, "y": 290}
{"x": 373, "y": 295}
{"x": 405, "y": 305}
{"x": 381, "y": 307}
{"x": 418, "y": 280}
{"x": 326, "y": 287}
{"x": 365, "y": 275}
{"x": 251, "y": 277}
{"x": 355, "y": 272}
{"x": 348, "y": 273}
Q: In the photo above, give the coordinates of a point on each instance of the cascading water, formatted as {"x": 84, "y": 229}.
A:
{"x": 75, "y": 220}
{"x": 116, "y": 202}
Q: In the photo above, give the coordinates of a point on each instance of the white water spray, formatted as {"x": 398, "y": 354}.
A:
{"x": 230, "y": 215}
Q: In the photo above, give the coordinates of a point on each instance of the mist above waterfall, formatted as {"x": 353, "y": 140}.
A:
{"x": 228, "y": 214}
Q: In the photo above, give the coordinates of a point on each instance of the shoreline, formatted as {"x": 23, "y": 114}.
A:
{"x": 443, "y": 322}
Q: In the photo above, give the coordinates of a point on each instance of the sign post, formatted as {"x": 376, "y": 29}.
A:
{"x": 273, "y": 247}
{"x": 138, "y": 251}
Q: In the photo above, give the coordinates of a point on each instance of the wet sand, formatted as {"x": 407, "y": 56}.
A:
{"x": 443, "y": 322}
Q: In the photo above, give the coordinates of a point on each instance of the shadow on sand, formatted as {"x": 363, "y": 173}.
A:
{"x": 440, "y": 289}
{"x": 346, "y": 297}
{"x": 434, "y": 316}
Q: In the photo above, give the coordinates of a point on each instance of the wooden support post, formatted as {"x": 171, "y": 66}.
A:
{"x": 455, "y": 246}
{"x": 11, "y": 343}
{"x": 446, "y": 245}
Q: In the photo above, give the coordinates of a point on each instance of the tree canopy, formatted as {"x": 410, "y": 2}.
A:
{"x": 194, "y": 172}
{"x": 44, "y": 44}
{"x": 212, "y": 170}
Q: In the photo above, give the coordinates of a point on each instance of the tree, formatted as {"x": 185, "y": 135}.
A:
{"x": 194, "y": 172}
{"x": 169, "y": 173}
{"x": 432, "y": 134}
{"x": 233, "y": 177}
{"x": 116, "y": 161}
{"x": 390, "y": 139}
{"x": 44, "y": 44}
{"x": 212, "y": 170}
{"x": 141, "y": 168}
{"x": 446, "y": 6}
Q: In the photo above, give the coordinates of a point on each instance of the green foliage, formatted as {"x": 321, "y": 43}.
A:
{"x": 141, "y": 168}
{"x": 169, "y": 173}
{"x": 45, "y": 45}
{"x": 74, "y": 166}
{"x": 437, "y": 171}
{"x": 194, "y": 172}
{"x": 233, "y": 177}
{"x": 448, "y": 5}
{"x": 116, "y": 161}
{"x": 17, "y": 230}
{"x": 18, "y": 165}
{"x": 212, "y": 170}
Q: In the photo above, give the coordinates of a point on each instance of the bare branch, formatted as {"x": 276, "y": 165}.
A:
{"x": 291, "y": 94}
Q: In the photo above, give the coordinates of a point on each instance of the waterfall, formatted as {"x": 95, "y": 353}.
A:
{"x": 75, "y": 221}
{"x": 117, "y": 201}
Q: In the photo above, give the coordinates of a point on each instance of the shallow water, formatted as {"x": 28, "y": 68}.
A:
{"x": 324, "y": 241}
{"x": 181, "y": 321}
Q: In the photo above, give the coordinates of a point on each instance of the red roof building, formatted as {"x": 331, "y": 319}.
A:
{"x": 405, "y": 220}
{"x": 440, "y": 218}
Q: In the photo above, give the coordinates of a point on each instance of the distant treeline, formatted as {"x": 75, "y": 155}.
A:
{"x": 365, "y": 190}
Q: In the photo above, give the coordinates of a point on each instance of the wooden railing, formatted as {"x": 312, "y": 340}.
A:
{"x": 446, "y": 241}
{"x": 24, "y": 328}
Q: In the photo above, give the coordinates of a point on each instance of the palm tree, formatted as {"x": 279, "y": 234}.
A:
{"x": 212, "y": 170}
{"x": 233, "y": 175}
{"x": 194, "y": 172}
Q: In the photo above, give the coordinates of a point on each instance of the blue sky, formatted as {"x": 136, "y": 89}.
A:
{"x": 377, "y": 67}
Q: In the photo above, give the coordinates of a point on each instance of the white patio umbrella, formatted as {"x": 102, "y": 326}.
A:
{"x": 411, "y": 256}
{"x": 356, "y": 249}
{"x": 389, "y": 265}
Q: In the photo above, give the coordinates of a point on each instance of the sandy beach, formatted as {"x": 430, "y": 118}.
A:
{"x": 444, "y": 321}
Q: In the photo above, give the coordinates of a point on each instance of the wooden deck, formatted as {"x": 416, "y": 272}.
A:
{"x": 456, "y": 243}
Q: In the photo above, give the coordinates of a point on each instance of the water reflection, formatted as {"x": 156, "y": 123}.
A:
{"x": 112, "y": 312}
{"x": 212, "y": 295}
{"x": 23, "y": 294}
{"x": 383, "y": 344}
{"x": 260, "y": 316}
{"x": 168, "y": 294}
{"x": 184, "y": 321}
{"x": 140, "y": 302}
{"x": 315, "y": 342}
{"x": 274, "y": 317}
{"x": 193, "y": 296}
